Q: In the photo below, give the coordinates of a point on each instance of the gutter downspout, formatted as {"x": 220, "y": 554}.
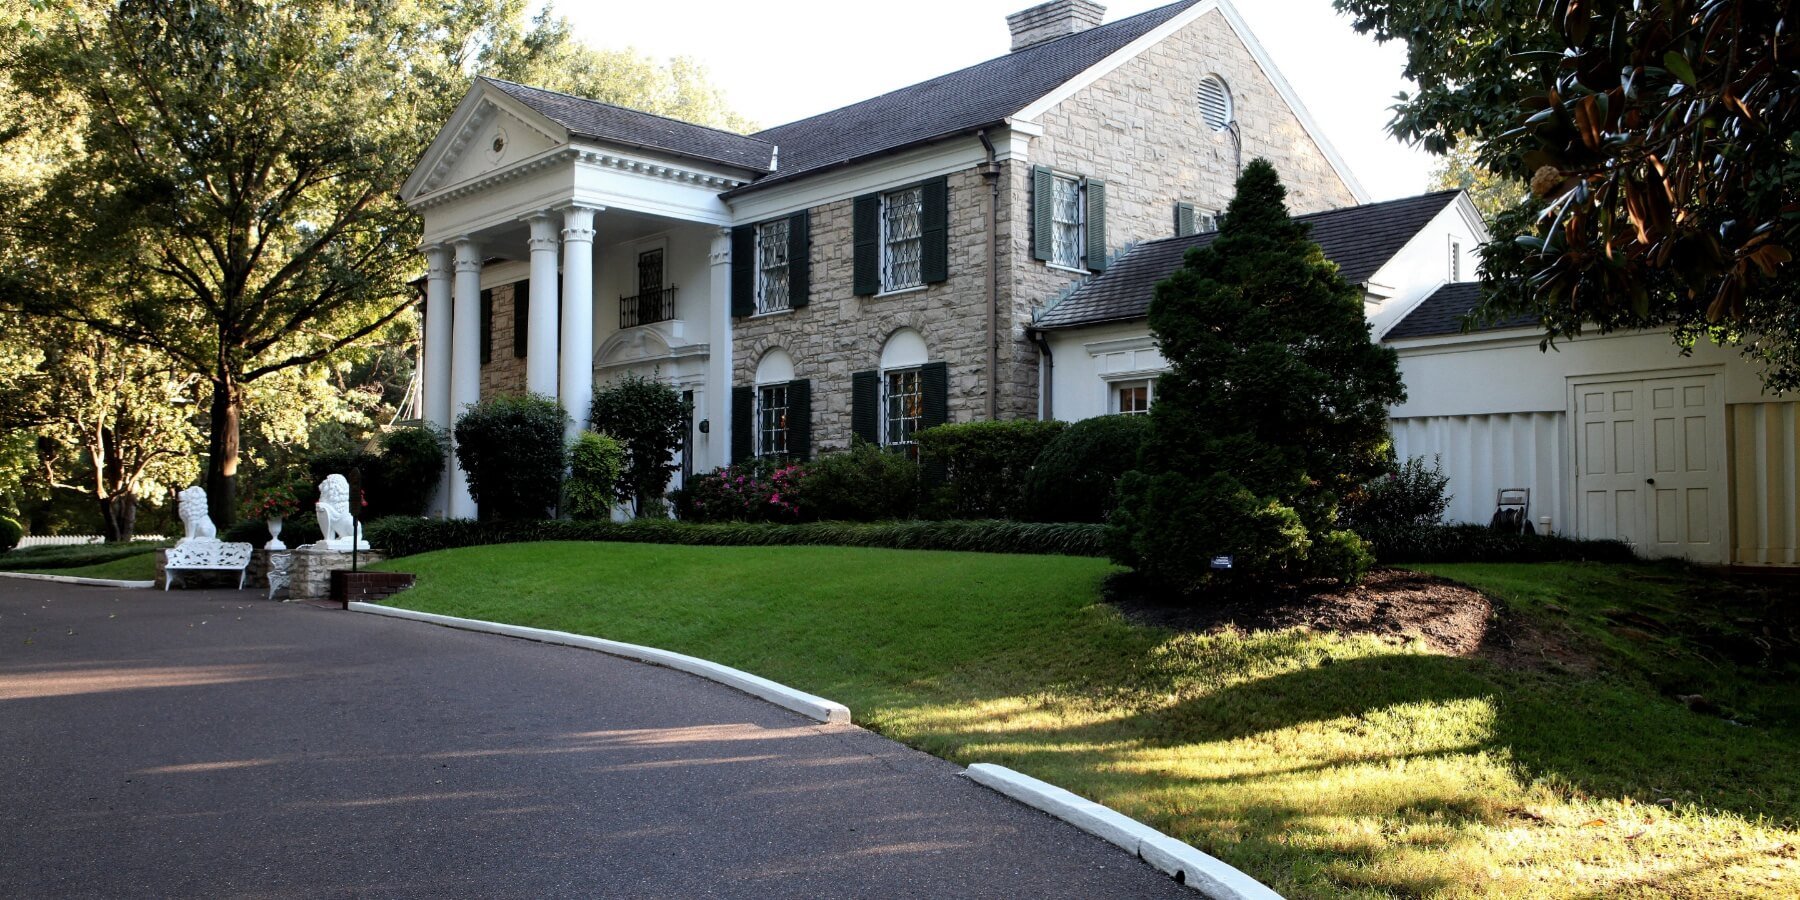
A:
{"x": 1046, "y": 375}
{"x": 991, "y": 172}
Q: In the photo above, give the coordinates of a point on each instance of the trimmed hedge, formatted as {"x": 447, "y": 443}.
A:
{"x": 1479, "y": 543}
{"x": 984, "y": 465}
{"x": 10, "y": 534}
{"x": 408, "y": 536}
{"x": 296, "y": 530}
{"x": 74, "y": 555}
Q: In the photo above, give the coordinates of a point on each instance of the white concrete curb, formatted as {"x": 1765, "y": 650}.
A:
{"x": 779, "y": 694}
{"x": 1203, "y": 873}
{"x": 77, "y": 579}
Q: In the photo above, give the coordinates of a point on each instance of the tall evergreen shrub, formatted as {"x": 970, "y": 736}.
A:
{"x": 651, "y": 420}
{"x": 511, "y": 448}
{"x": 1274, "y": 407}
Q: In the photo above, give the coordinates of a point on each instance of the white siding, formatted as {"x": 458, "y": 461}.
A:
{"x": 1763, "y": 444}
{"x": 1483, "y": 454}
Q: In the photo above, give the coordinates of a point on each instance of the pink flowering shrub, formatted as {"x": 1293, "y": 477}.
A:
{"x": 754, "y": 491}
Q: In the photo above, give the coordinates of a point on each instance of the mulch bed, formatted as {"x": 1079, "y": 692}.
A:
{"x": 1392, "y": 604}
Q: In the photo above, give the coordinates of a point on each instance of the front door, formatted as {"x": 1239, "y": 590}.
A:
{"x": 1650, "y": 465}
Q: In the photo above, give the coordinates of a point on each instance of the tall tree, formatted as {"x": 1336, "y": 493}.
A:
{"x": 103, "y": 413}
{"x": 1491, "y": 192}
{"x": 1659, "y": 141}
{"x": 1274, "y": 406}
{"x": 227, "y": 194}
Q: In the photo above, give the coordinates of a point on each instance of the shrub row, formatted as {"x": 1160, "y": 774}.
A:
{"x": 409, "y": 536}
{"x": 74, "y": 555}
{"x": 1479, "y": 543}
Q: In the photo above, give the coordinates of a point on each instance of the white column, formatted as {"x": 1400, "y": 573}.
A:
{"x": 717, "y": 407}
{"x": 434, "y": 382}
{"x": 465, "y": 361}
{"x": 540, "y": 338}
{"x": 578, "y": 315}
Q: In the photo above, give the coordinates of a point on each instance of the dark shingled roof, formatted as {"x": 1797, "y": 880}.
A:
{"x": 604, "y": 121}
{"x": 1443, "y": 312}
{"x": 1360, "y": 239}
{"x": 980, "y": 95}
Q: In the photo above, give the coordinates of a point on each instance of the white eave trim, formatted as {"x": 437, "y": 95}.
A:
{"x": 459, "y": 132}
{"x": 595, "y": 156}
{"x": 1067, "y": 89}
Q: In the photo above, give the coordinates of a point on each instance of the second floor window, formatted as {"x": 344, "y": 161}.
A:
{"x": 900, "y": 239}
{"x": 1068, "y": 239}
{"x": 772, "y": 420}
{"x": 772, "y": 266}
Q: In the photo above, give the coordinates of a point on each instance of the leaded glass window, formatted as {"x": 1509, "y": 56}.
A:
{"x": 903, "y": 406}
{"x": 772, "y": 420}
{"x": 1067, "y": 240}
{"x": 772, "y": 266}
{"x": 900, "y": 239}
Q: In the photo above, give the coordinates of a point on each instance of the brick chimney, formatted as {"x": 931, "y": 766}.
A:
{"x": 1049, "y": 21}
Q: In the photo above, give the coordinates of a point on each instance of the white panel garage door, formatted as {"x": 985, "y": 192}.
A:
{"x": 1650, "y": 466}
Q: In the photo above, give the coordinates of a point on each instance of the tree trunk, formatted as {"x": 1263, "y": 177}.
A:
{"x": 222, "y": 455}
{"x": 118, "y": 515}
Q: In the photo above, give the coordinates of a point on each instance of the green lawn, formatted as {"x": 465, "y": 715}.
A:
{"x": 61, "y": 560}
{"x": 1326, "y": 766}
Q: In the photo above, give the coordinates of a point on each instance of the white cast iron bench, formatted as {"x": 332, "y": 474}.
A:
{"x": 207, "y": 556}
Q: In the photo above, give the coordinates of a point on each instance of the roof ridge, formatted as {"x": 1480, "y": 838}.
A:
{"x": 1008, "y": 55}
{"x": 1317, "y": 213}
{"x": 630, "y": 109}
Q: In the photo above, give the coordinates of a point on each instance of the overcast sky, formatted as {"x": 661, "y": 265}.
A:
{"x": 781, "y": 60}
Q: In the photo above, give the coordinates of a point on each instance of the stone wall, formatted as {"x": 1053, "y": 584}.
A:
{"x": 1139, "y": 130}
{"x": 838, "y": 333}
{"x": 503, "y": 373}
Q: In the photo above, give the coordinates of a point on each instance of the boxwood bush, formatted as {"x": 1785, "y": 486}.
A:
{"x": 984, "y": 465}
{"x": 407, "y": 536}
{"x": 511, "y": 448}
{"x": 10, "y": 534}
{"x": 862, "y": 484}
{"x": 1076, "y": 478}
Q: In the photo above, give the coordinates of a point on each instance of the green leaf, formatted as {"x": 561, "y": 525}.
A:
{"x": 1678, "y": 66}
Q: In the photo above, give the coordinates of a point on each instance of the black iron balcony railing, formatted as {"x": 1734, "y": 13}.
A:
{"x": 656, "y": 306}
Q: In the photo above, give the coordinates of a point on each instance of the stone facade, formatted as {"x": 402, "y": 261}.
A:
{"x": 1138, "y": 128}
{"x": 837, "y": 333}
{"x": 503, "y": 373}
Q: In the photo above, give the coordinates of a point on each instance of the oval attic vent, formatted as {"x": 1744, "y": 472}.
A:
{"x": 1215, "y": 102}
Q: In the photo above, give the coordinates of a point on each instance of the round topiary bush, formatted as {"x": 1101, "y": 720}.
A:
{"x": 511, "y": 448}
{"x": 10, "y": 534}
{"x": 1076, "y": 478}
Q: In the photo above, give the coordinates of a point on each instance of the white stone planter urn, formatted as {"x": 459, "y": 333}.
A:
{"x": 274, "y": 523}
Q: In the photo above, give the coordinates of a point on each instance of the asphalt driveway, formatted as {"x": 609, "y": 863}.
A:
{"x": 207, "y": 743}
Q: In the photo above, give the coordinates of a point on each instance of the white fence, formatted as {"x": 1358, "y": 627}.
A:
{"x": 71, "y": 540}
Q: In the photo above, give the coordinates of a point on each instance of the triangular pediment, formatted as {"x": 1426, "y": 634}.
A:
{"x": 488, "y": 131}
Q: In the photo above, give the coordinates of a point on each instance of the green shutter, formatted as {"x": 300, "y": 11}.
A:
{"x": 799, "y": 259}
{"x": 865, "y": 406}
{"x": 799, "y": 423}
{"x": 743, "y": 423}
{"x": 1096, "y": 225}
{"x": 866, "y": 245}
{"x": 521, "y": 316}
{"x": 487, "y": 326}
{"x": 1186, "y": 222}
{"x": 1042, "y": 198}
{"x": 743, "y": 270}
{"x": 934, "y": 228}
{"x": 934, "y": 383}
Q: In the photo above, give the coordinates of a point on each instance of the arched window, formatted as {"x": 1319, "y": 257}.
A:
{"x": 903, "y": 358}
{"x": 775, "y": 398}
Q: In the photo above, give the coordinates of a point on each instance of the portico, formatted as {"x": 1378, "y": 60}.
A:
{"x": 595, "y": 255}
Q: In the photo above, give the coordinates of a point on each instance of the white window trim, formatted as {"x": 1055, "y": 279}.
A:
{"x": 881, "y": 260}
{"x": 788, "y": 302}
{"x": 1455, "y": 260}
{"x": 756, "y": 420}
{"x": 881, "y": 431}
{"x": 1081, "y": 223}
{"x": 911, "y": 290}
{"x": 1113, "y": 386}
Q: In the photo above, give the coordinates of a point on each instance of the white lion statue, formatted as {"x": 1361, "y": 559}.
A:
{"x": 196, "y": 524}
{"x": 340, "y": 531}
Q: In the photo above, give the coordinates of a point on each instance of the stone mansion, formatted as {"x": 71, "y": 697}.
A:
{"x": 869, "y": 271}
